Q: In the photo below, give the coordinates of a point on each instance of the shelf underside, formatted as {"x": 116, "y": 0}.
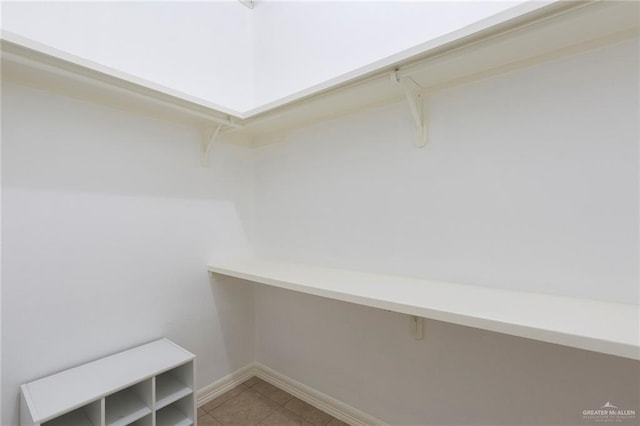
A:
{"x": 605, "y": 327}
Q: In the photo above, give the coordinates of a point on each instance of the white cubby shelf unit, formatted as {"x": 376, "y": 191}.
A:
{"x": 149, "y": 385}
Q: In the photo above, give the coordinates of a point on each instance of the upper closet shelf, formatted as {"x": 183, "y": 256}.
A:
{"x": 499, "y": 44}
{"x": 610, "y": 328}
{"x": 518, "y": 37}
{"x": 36, "y": 64}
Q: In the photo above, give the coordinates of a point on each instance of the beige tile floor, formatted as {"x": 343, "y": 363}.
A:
{"x": 256, "y": 402}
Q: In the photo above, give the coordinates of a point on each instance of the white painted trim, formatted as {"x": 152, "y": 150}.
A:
{"x": 228, "y": 382}
{"x": 322, "y": 401}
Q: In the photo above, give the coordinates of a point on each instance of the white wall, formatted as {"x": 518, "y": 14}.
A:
{"x": 200, "y": 48}
{"x": 108, "y": 222}
{"x": 298, "y": 44}
{"x": 456, "y": 376}
{"x": 529, "y": 181}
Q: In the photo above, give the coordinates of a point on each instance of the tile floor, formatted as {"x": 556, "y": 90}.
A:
{"x": 256, "y": 402}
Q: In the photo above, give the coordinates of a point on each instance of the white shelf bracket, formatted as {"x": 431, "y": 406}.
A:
{"x": 415, "y": 96}
{"x": 417, "y": 327}
{"x": 248, "y": 3}
{"x": 210, "y": 135}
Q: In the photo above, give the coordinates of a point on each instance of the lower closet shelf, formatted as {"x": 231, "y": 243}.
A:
{"x": 600, "y": 326}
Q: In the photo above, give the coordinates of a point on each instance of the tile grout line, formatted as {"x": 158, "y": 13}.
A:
{"x": 278, "y": 407}
{"x": 240, "y": 393}
{"x": 281, "y": 406}
{"x": 264, "y": 396}
{"x": 225, "y": 401}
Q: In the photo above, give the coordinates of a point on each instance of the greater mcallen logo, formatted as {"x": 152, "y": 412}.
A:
{"x": 609, "y": 413}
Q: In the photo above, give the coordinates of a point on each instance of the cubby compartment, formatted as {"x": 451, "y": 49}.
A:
{"x": 145, "y": 421}
{"x": 180, "y": 413}
{"x": 128, "y": 405}
{"x": 88, "y": 415}
{"x": 174, "y": 385}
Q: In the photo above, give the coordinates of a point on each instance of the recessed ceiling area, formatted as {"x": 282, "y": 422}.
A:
{"x": 236, "y": 57}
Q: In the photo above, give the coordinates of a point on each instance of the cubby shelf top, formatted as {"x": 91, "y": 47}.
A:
{"x": 76, "y": 387}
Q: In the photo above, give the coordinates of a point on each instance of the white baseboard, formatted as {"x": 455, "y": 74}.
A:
{"x": 322, "y": 401}
{"x": 224, "y": 384}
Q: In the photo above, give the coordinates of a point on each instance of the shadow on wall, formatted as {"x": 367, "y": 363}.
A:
{"x": 55, "y": 143}
{"x": 108, "y": 223}
{"x": 234, "y": 308}
{"x": 456, "y": 375}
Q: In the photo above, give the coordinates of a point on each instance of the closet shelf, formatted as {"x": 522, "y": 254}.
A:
{"x": 505, "y": 42}
{"x": 606, "y": 327}
{"x": 518, "y": 37}
{"x": 39, "y": 65}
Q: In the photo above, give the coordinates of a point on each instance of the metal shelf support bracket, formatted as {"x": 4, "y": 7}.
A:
{"x": 415, "y": 96}
{"x": 210, "y": 135}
